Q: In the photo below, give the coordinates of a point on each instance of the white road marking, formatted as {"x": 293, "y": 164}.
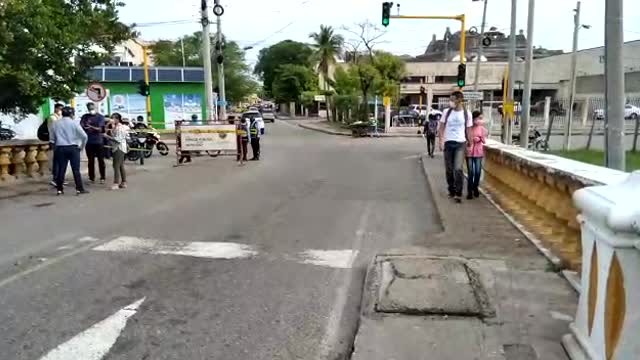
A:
{"x": 209, "y": 250}
{"x": 87, "y": 239}
{"x": 95, "y": 342}
{"x": 330, "y": 339}
{"x": 341, "y": 259}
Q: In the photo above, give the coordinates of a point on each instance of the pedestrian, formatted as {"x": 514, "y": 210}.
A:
{"x": 119, "y": 136}
{"x": 93, "y": 124}
{"x": 453, "y": 132}
{"x": 431, "y": 129}
{"x": 242, "y": 130}
{"x": 55, "y": 116}
{"x": 185, "y": 156}
{"x": 256, "y": 130}
{"x": 140, "y": 125}
{"x": 475, "y": 153}
{"x": 69, "y": 138}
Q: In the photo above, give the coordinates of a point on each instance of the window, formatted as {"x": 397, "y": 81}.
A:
{"x": 446, "y": 79}
{"x": 601, "y": 59}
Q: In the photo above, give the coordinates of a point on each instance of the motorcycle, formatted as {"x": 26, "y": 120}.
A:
{"x": 153, "y": 139}
{"x": 536, "y": 141}
{"x": 136, "y": 144}
{"x": 6, "y": 134}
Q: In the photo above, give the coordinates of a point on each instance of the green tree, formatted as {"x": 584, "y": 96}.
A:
{"x": 48, "y": 46}
{"x": 238, "y": 81}
{"x": 327, "y": 46}
{"x": 284, "y": 52}
{"x": 291, "y": 81}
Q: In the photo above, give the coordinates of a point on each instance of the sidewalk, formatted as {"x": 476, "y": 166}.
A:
{"x": 479, "y": 290}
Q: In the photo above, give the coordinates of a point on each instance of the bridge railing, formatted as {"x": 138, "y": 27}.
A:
{"x": 537, "y": 189}
{"x": 22, "y": 159}
{"x": 607, "y": 322}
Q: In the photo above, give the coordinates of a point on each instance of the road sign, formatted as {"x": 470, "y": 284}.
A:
{"x": 509, "y": 108}
{"x": 386, "y": 100}
{"x": 473, "y": 95}
{"x": 96, "y": 92}
{"x": 320, "y": 98}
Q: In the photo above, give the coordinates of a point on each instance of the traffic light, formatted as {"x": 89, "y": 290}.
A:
{"x": 386, "y": 12}
{"x": 143, "y": 88}
{"x": 462, "y": 75}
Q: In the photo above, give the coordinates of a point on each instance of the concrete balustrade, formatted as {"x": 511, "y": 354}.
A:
{"x": 607, "y": 322}
{"x": 536, "y": 189}
{"x": 21, "y": 159}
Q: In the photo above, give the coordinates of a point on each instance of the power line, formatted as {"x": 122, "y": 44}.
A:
{"x": 174, "y": 22}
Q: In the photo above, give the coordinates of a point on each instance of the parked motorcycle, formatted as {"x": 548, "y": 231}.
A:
{"x": 6, "y": 134}
{"x": 153, "y": 139}
{"x": 137, "y": 145}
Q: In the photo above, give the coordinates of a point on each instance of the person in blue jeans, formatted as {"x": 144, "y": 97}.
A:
{"x": 453, "y": 131}
{"x": 69, "y": 139}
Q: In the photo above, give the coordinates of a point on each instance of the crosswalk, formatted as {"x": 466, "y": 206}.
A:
{"x": 95, "y": 342}
{"x": 340, "y": 259}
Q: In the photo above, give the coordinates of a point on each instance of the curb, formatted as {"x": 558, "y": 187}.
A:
{"x": 556, "y": 261}
{"x": 326, "y": 131}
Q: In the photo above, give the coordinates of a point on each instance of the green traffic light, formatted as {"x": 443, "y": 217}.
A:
{"x": 460, "y": 83}
{"x": 385, "y": 22}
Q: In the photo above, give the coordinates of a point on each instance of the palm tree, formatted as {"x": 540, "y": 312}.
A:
{"x": 327, "y": 46}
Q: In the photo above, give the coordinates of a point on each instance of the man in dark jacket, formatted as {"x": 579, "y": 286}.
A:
{"x": 93, "y": 124}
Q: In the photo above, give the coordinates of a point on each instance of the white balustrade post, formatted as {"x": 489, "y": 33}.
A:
{"x": 607, "y": 322}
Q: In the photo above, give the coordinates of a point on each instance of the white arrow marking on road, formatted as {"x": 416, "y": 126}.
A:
{"x": 95, "y": 342}
{"x": 342, "y": 259}
{"x": 210, "y": 250}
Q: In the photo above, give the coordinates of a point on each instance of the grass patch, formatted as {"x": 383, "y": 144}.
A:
{"x": 596, "y": 157}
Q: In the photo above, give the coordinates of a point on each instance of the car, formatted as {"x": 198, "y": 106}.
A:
{"x": 630, "y": 112}
{"x": 555, "y": 109}
{"x": 419, "y": 110}
{"x": 268, "y": 115}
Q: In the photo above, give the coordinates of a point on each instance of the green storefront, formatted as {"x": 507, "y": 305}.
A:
{"x": 176, "y": 93}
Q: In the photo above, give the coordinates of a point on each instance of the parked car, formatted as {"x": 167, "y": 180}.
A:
{"x": 555, "y": 109}
{"x": 630, "y": 112}
{"x": 419, "y": 110}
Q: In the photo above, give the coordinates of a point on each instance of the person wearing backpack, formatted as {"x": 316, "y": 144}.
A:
{"x": 44, "y": 134}
{"x": 431, "y": 129}
{"x": 454, "y": 132}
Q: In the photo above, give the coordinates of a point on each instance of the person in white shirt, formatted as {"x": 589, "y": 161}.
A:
{"x": 256, "y": 130}
{"x": 118, "y": 137}
{"x": 453, "y": 132}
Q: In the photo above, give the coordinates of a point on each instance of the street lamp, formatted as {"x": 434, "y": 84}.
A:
{"x": 247, "y": 48}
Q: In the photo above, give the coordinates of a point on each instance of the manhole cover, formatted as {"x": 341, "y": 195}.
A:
{"x": 429, "y": 287}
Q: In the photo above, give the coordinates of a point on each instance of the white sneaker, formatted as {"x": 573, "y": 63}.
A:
{"x": 115, "y": 187}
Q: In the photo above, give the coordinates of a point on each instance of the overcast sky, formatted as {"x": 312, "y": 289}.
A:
{"x": 263, "y": 23}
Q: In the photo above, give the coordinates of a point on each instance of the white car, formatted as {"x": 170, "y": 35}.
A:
{"x": 420, "y": 110}
{"x": 630, "y": 112}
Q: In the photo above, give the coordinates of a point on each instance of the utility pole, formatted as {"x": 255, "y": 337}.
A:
{"x": 206, "y": 56}
{"x": 512, "y": 64}
{"x": 184, "y": 60}
{"x": 220, "y": 59}
{"x": 480, "y": 47}
{"x": 614, "y": 97}
{"x": 528, "y": 78}
{"x": 574, "y": 62}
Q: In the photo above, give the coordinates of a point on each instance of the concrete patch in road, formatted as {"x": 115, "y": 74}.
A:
{"x": 95, "y": 342}
{"x": 341, "y": 259}
{"x": 427, "y": 286}
{"x": 209, "y": 250}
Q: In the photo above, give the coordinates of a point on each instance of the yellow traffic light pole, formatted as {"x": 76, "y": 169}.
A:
{"x": 145, "y": 60}
{"x": 461, "y": 18}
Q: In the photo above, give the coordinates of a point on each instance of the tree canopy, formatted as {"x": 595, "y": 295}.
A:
{"x": 238, "y": 81}
{"x": 48, "y": 46}
{"x": 284, "y": 52}
{"x": 291, "y": 81}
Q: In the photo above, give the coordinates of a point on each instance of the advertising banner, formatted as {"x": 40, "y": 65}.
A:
{"x": 208, "y": 137}
{"x": 130, "y": 106}
{"x": 80, "y": 105}
{"x": 181, "y": 107}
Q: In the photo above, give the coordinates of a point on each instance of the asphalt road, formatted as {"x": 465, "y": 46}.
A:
{"x": 211, "y": 260}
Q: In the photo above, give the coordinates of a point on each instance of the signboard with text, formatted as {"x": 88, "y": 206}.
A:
{"x": 208, "y": 137}
{"x": 473, "y": 95}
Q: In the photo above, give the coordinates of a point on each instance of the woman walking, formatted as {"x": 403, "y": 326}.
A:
{"x": 475, "y": 153}
{"x": 119, "y": 135}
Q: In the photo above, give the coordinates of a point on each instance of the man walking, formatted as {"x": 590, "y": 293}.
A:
{"x": 53, "y": 167}
{"x": 431, "y": 129}
{"x": 69, "y": 139}
{"x": 453, "y": 131}
{"x": 93, "y": 124}
{"x": 256, "y": 130}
